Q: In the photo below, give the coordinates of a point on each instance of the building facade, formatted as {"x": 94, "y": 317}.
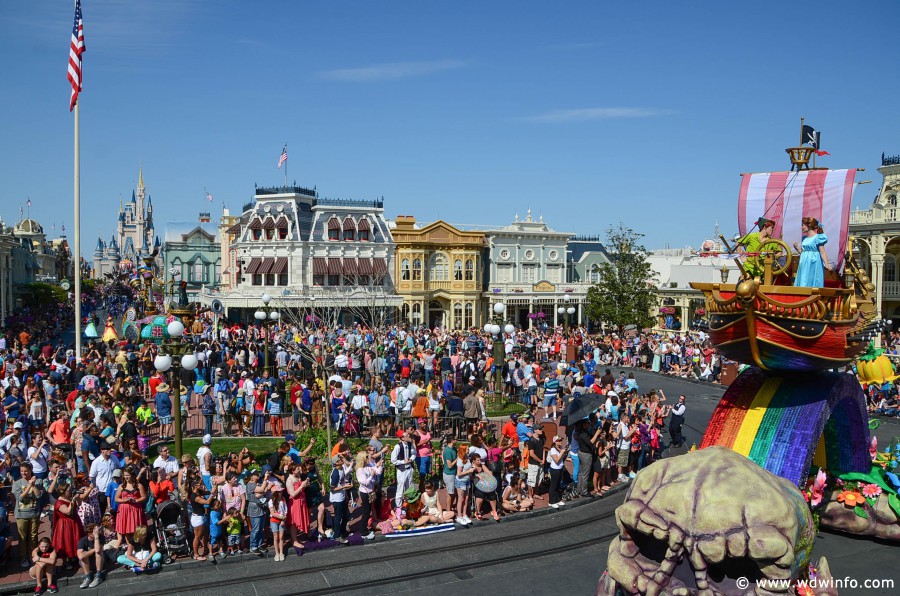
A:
{"x": 192, "y": 253}
{"x": 875, "y": 233}
{"x": 229, "y": 232}
{"x": 438, "y": 274}
{"x": 526, "y": 270}
{"x": 332, "y": 257}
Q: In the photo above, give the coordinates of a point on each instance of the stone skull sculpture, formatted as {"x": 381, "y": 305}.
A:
{"x": 696, "y": 523}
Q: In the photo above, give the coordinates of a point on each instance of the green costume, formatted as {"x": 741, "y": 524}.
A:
{"x": 755, "y": 265}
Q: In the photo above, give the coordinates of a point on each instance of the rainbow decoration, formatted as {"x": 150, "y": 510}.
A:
{"x": 782, "y": 421}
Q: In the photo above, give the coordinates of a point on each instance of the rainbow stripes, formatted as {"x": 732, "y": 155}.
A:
{"x": 779, "y": 420}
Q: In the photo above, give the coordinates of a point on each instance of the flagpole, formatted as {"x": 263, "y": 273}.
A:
{"x": 77, "y": 258}
{"x": 285, "y": 169}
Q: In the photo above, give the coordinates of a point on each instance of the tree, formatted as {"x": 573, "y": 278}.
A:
{"x": 624, "y": 294}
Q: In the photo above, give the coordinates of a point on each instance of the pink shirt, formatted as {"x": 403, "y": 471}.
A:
{"x": 424, "y": 444}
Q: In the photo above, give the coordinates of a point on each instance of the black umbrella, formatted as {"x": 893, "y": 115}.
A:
{"x": 581, "y": 407}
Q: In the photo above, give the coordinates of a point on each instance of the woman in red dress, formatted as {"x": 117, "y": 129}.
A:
{"x": 66, "y": 529}
{"x": 298, "y": 512}
{"x": 131, "y": 498}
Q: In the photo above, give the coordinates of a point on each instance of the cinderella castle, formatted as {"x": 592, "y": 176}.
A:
{"x": 135, "y": 235}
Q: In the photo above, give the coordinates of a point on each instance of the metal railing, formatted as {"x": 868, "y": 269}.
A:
{"x": 890, "y": 160}
{"x": 280, "y": 190}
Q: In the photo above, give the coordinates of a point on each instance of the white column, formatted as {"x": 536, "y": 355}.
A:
{"x": 877, "y": 260}
{"x": 531, "y": 311}
{"x": 555, "y": 313}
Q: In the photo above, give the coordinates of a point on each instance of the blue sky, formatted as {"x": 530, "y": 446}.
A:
{"x": 590, "y": 113}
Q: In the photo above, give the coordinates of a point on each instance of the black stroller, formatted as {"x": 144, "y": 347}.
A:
{"x": 171, "y": 533}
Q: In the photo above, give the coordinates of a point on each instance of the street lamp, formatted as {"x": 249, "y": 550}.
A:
{"x": 264, "y": 315}
{"x": 494, "y": 329}
{"x": 178, "y": 354}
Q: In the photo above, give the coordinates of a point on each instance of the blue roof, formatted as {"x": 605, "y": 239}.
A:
{"x": 578, "y": 248}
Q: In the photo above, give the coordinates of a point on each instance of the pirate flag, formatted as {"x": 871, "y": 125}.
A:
{"x": 813, "y": 138}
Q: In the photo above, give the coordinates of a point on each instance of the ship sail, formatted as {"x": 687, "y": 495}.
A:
{"x": 787, "y": 197}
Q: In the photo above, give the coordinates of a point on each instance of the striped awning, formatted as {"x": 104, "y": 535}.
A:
{"x": 255, "y": 225}
{"x": 320, "y": 266}
{"x": 334, "y": 266}
{"x": 365, "y": 266}
{"x": 282, "y": 222}
{"x": 269, "y": 224}
{"x": 280, "y": 266}
{"x": 350, "y": 267}
{"x": 363, "y": 224}
{"x": 253, "y": 267}
{"x": 379, "y": 266}
{"x": 235, "y": 229}
{"x": 266, "y": 266}
{"x": 334, "y": 224}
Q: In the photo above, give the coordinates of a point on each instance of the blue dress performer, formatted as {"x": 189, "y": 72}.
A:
{"x": 813, "y": 259}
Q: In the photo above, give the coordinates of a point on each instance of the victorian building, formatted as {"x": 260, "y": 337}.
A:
{"x": 438, "y": 273}
{"x": 526, "y": 269}
{"x": 192, "y": 253}
{"x": 332, "y": 257}
{"x": 875, "y": 239}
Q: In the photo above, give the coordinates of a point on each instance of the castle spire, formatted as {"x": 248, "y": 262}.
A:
{"x": 141, "y": 175}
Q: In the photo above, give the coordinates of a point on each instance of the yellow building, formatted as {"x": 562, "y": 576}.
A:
{"x": 438, "y": 274}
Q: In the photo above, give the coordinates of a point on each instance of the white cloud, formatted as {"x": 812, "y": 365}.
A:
{"x": 586, "y": 114}
{"x": 393, "y": 70}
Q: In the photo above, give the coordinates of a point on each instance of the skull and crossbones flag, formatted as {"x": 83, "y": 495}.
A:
{"x": 813, "y": 138}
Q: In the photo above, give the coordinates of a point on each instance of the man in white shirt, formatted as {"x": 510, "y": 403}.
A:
{"x": 402, "y": 457}
{"x": 167, "y": 463}
{"x": 102, "y": 472}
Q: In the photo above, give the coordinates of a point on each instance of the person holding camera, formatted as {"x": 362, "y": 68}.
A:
{"x": 557, "y": 459}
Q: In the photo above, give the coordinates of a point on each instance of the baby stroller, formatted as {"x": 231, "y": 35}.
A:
{"x": 171, "y": 535}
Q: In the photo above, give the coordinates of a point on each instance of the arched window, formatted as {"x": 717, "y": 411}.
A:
{"x": 404, "y": 269}
{"x": 457, "y": 270}
{"x": 417, "y": 270}
{"x": 438, "y": 270}
{"x": 470, "y": 269}
{"x": 197, "y": 271}
{"x": 417, "y": 314}
{"x": 457, "y": 316}
{"x": 334, "y": 229}
{"x": 470, "y": 315}
{"x": 349, "y": 230}
{"x": 892, "y": 200}
{"x": 890, "y": 268}
{"x": 404, "y": 312}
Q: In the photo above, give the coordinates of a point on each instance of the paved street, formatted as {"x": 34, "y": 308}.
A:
{"x": 560, "y": 552}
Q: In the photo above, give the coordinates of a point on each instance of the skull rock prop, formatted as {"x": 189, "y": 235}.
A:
{"x": 696, "y": 523}
{"x": 880, "y": 521}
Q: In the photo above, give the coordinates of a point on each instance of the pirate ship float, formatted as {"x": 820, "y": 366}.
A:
{"x": 767, "y": 321}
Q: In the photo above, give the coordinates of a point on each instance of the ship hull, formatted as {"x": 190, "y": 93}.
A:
{"x": 783, "y": 328}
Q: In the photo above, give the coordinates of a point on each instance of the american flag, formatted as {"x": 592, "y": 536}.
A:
{"x": 209, "y": 197}
{"x": 76, "y": 49}
{"x": 283, "y": 157}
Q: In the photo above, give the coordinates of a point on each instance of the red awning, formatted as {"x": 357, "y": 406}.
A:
{"x": 280, "y": 266}
{"x": 269, "y": 224}
{"x": 266, "y": 266}
{"x": 365, "y": 266}
{"x": 334, "y": 266}
{"x": 255, "y": 225}
{"x": 349, "y": 224}
{"x": 235, "y": 229}
{"x": 350, "y": 267}
{"x": 334, "y": 224}
{"x": 320, "y": 266}
{"x": 253, "y": 267}
{"x": 379, "y": 266}
{"x": 363, "y": 224}
{"x": 282, "y": 222}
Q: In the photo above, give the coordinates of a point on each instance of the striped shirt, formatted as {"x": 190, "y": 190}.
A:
{"x": 551, "y": 388}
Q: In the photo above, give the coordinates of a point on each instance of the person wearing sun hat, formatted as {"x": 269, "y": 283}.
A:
{"x": 758, "y": 242}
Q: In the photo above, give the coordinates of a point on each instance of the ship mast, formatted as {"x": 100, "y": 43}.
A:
{"x": 801, "y": 154}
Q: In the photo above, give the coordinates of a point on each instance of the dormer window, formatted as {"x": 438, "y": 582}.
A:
{"x": 349, "y": 230}
{"x": 334, "y": 229}
{"x": 363, "y": 230}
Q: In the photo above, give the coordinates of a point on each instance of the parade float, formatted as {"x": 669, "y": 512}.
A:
{"x": 788, "y": 448}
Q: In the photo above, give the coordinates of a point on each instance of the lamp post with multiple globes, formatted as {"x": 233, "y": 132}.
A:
{"x": 565, "y": 312}
{"x": 176, "y": 354}
{"x": 265, "y": 314}
{"x": 496, "y": 329}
